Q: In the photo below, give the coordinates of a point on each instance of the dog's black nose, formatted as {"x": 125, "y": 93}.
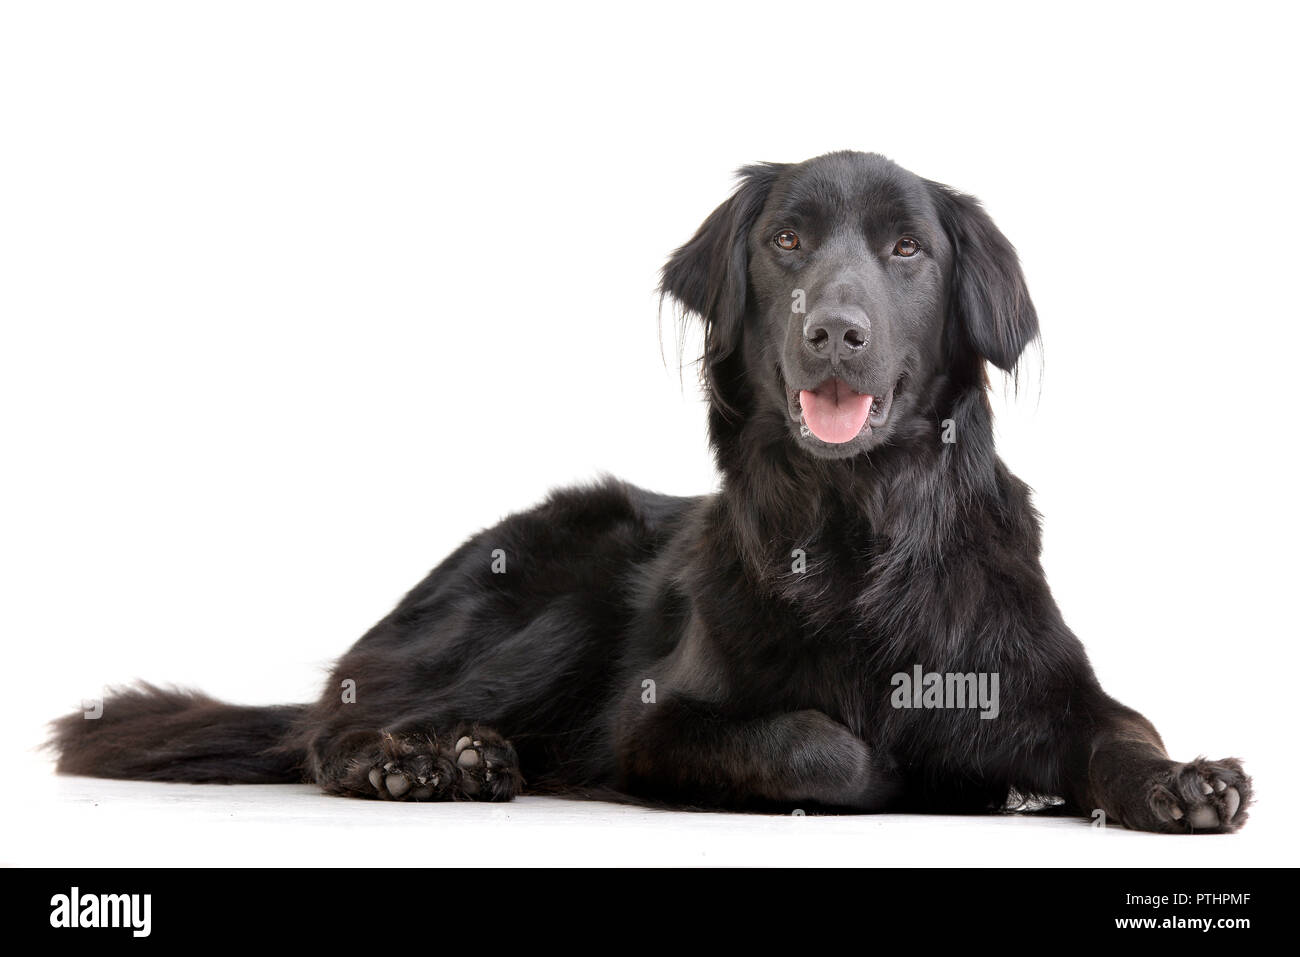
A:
{"x": 836, "y": 333}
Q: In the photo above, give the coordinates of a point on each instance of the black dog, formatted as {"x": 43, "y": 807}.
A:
{"x": 858, "y": 620}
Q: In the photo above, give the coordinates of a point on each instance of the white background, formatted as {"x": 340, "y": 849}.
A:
{"x": 296, "y": 296}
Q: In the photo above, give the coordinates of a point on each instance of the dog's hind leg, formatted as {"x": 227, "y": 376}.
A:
{"x": 683, "y": 751}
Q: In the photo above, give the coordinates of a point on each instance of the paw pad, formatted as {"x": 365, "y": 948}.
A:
{"x": 480, "y": 765}
{"x": 1202, "y": 796}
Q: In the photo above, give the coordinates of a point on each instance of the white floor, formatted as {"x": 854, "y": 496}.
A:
{"x": 64, "y": 821}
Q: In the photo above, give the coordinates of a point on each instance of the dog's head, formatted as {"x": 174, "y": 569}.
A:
{"x": 837, "y": 291}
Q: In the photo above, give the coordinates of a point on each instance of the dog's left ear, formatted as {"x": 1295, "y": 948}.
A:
{"x": 709, "y": 275}
{"x": 990, "y": 299}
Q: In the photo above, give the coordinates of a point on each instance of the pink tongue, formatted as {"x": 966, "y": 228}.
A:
{"x": 834, "y": 413}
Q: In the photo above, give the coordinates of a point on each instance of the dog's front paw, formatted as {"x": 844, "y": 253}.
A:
{"x": 1200, "y": 797}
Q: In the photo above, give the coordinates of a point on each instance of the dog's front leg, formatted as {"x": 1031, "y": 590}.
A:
{"x": 686, "y": 751}
{"x": 1121, "y": 767}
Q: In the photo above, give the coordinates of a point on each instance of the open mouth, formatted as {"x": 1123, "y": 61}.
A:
{"x": 835, "y": 413}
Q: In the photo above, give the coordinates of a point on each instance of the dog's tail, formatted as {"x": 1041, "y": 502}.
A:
{"x": 156, "y": 734}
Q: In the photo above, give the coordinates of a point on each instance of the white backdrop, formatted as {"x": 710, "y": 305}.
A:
{"x": 296, "y": 296}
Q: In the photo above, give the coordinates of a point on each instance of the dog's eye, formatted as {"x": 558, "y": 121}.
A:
{"x": 907, "y": 246}
{"x": 787, "y": 239}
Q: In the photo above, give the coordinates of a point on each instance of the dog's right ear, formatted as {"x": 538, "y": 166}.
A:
{"x": 709, "y": 275}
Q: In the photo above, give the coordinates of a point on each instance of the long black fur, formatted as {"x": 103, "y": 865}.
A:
{"x": 613, "y": 640}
